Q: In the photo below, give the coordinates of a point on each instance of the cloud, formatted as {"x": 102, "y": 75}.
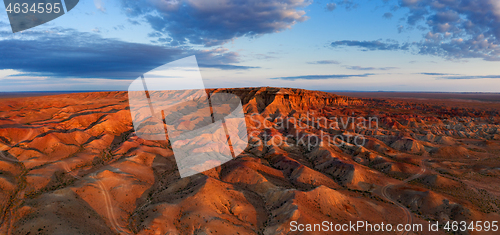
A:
{"x": 331, "y": 6}
{"x": 369, "y": 68}
{"x": 460, "y": 76}
{"x": 67, "y": 53}
{"x": 388, "y": 15}
{"x": 437, "y": 74}
{"x": 133, "y": 22}
{"x": 457, "y": 28}
{"x": 4, "y": 24}
{"x": 400, "y": 28}
{"x": 324, "y": 77}
{"x": 212, "y": 23}
{"x": 226, "y": 66}
{"x": 119, "y": 27}
{"x": 347, "y": 4}
{"x": 473, "y": 77}
{"x": 453, "y": 29}
{"x": 99, "y": 5}
{"x": 324, "y": 62}
{"x": 267, "y": 56}
{"x": 371, "y": 45}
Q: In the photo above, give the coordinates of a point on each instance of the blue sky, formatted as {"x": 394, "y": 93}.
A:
{"x": 363, "y": 45}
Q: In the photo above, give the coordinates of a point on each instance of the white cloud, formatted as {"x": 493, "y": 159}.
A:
{"x": 496, "y": 8}
{"x": 5, "y": 73}
{"x": 99, "y": 5}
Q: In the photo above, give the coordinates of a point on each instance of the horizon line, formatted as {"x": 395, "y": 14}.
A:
{"x": 356, "y": 91}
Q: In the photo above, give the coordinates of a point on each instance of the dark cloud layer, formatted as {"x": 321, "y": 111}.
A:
{"x": 459, "y": 76}
{"x": 371, "y": 45}
{"x": 216, "y": 22}
{"x": 324, "y": 77}
{"x": 226, "y": 66}
{"x": 63, "y": 53}
{"x": 324, "y": 62}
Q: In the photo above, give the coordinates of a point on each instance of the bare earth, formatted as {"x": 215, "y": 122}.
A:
{"x": 71, "y": 164}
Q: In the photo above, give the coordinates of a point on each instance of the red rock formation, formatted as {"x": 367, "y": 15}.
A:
{"x": 72, "y": 164}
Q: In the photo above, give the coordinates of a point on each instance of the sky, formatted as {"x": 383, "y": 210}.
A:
{"x": 355, "y": 45}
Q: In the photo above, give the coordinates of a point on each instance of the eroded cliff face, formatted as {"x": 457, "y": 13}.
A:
{"x": 72, "y": 164}
{"x": 268, "y": 100}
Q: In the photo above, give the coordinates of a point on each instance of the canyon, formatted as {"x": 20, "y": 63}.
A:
{"x": 73, "y": 164}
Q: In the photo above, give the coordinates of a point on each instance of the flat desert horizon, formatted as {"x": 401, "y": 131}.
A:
{"x": 73, "y": 164}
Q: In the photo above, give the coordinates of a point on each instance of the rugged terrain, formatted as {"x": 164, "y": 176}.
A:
{"x": 72, "y": 164}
